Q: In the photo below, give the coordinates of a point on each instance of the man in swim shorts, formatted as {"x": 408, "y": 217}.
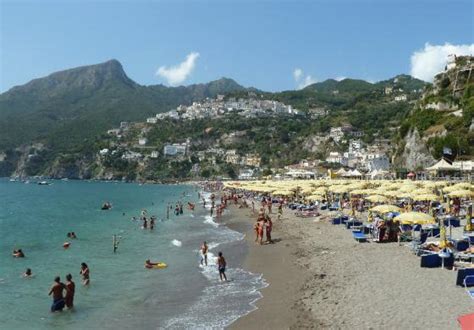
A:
{"x": 221, "y": 264}
{"x": 57, "y": 292}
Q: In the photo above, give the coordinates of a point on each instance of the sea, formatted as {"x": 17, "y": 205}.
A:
{"x": 122, "y": 293}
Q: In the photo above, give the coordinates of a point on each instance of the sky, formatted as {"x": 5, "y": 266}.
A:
{"x": 270, "y": 45}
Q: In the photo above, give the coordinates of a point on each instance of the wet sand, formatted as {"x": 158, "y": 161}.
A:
{"x": 320, "y": 277}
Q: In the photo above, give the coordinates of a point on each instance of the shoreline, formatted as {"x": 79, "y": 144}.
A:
{"x": 277, "y": 308}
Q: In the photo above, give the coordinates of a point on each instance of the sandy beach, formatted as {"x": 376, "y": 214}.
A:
{"x": 320, "y": 277}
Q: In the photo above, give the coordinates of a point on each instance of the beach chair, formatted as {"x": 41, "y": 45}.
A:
{"x": 461, "y": 245}
{"x": 463, "y": 273}
{"x": 417, "y": 243}
{"x": 430, "y": 260}
{"x": 405, "y": 235}
{"x": 354, "y": 224}
{"x": 453, "y": 222}
{"x": 467, "y": 283}
{"x": 359, "y": 236}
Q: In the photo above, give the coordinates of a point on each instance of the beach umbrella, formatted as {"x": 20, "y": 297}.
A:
{"x": 386, "y": 208}
{"x": 414, "y": 218}
{"x": 362, "y": 191}
{"x": 461, "y": 193}
{"x": 376, "y": 199}
{"x": 316, "y": 197}
{"x": 425, "y": 197}
{"x": 463, "y": 185}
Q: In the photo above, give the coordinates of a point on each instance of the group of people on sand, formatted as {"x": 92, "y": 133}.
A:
{"x": 264, "y": 224}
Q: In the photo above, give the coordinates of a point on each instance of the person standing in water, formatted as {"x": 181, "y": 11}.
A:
{"x": 204, "y": 249}
{"x": 70, "y": 290}
{"x": 221, "y": 264}
{"x": 85, "y": 274}
{"x": 152, "y": 223}
{"x": 57, "y": 292}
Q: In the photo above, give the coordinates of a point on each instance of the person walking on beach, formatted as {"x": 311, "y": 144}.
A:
{"x": 221, "y": 265}
{"x": 57, "y": 292}
{"x": 212, "y": 211}
{"x": 204, "y": 249}
{"x": 261, "y": 229}
{"x": 280, "y": 210}
{"x": 70, "y": 290}
{"x": 85, "y": 274}
{"x": 269, "y": 226}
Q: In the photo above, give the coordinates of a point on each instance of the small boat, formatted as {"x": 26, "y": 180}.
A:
{"x": 44, "y": 183}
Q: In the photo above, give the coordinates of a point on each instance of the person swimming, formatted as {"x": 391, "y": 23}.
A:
{"x": 149, "y": 264}
{"x": 85, "y": 274}
{"x": 18, "y": 253}
{"x": 28, "y": 273}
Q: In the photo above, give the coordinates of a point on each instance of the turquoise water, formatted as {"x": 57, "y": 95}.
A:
{"x": 122, "y": 293}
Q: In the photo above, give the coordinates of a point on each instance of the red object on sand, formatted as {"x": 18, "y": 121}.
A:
{"x": 466, "y": 321}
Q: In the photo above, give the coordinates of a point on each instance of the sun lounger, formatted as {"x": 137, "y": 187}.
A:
{"x": 467, "y": 283}
{"x": 417, "y": 243}
{"x": 453, "y": 222}
{"x": 461, "y": 245}
{"x": 359, "y": 236}
{"x": 353, "y": 223}
{"x": 431, "y": 260}
{"x": 462, "y": 273}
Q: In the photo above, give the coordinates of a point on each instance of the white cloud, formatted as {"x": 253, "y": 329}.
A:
{"x": 301, "y": 80}
{"x": 175, "y": 75}
{"x": 427, "y": 62}
{"x": 297, "y": 74}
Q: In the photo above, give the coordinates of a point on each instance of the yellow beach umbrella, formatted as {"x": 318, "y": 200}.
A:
{"x": 361, "y": 191}
{"x": 315, "y": 197}
{"x": 425, "y": 197}
{"x": 386, "y": 208}
{"x": 376, "y": 198}
{"x": 461, "y": 193}
{"x": 464, "y": 185}
{"x": 414, "y": 218}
